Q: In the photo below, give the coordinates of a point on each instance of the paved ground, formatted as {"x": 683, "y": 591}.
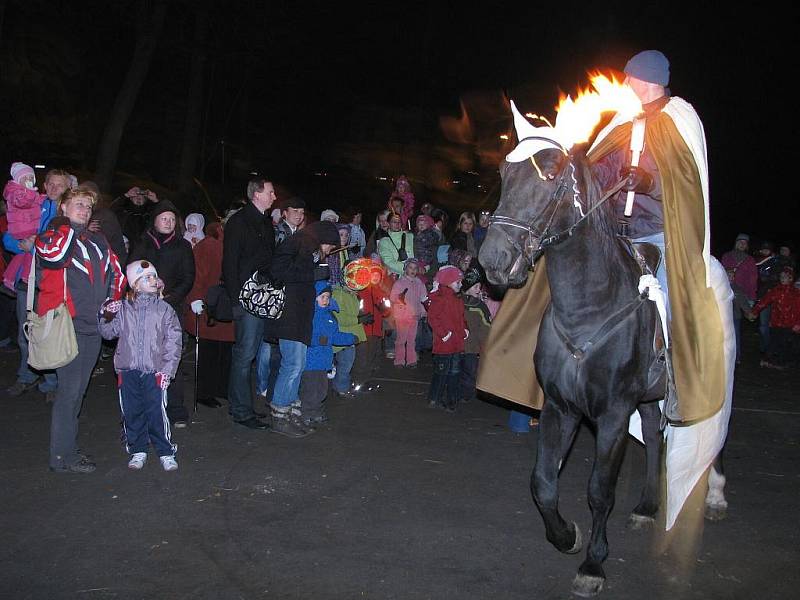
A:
{"x": 391, "y": 500}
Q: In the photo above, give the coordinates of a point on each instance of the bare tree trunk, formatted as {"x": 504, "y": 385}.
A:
{"x": 192, "y": 130}
{"x": 146, "y": 40}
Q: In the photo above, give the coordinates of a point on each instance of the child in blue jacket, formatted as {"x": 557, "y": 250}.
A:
{"x": 319, "y": 356}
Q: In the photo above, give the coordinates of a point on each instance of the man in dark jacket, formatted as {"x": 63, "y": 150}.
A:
{"x": 163, "y": 245}
{"x": 248, "y": 245}
{"x": 299, "y": 261}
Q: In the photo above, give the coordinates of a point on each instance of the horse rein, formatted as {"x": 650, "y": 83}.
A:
{"x": 546, "y": 240}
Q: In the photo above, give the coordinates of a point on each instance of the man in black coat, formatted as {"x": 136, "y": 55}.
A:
{"x": 163, "y": 244}
{"x": 247, "y": 248}
{"x": 298, "y": 262}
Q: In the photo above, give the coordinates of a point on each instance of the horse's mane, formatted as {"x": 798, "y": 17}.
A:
{"x": 602, "y": 220}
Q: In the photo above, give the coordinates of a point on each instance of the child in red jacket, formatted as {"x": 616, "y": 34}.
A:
{"x": 784, "y": 320}
{"x": 446, "y": 319}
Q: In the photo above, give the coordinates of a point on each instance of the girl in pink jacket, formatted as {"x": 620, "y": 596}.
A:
{"x": 408, "y": 294}
{"x": 24, "y": 210}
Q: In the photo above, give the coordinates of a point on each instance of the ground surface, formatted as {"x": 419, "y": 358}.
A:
{"x": 391, "y": 500}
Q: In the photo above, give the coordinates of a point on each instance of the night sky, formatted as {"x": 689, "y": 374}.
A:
{"x": 298, "y": 88}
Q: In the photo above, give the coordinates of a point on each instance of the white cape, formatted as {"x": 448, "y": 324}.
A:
{"x": 692, "y": 448}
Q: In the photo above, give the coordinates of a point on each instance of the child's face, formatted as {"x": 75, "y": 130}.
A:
{"x": 455, "y": 286}
{"x": 191, "y": 228}
{"x": 412, "y": 269}
{"x": 27, "y": 181}
{"x": 148, "y": 284}
{"x": 474, "y": 290}
{"x": 324, "y": 299}
{"x": 731, "y": 276}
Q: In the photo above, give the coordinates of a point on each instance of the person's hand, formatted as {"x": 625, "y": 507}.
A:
{"x": 636, "y": 180}
{"x": 448, "y": 336}
{"x": 796, "y": 329}
{"x": 197, "y": 307}
{"x": 151, "y": 195}
{"x": 466, "y": 333}
{"x": 94, "y": 226}
{"x": 162, "y": 380}
{"x": 26, "y": 244}
{"x": 110, "y": 308}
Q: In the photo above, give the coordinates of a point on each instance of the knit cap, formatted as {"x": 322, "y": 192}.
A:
{"x": 20, "y": 170}
{"x": 329, "y": 215}
{"x": 138, "y": 269}
{"x": 649, "y": 65}
{"x": 448, "y": 274}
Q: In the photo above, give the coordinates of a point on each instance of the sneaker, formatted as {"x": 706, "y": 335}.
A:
{"x": 82, "y": 466}
{"x": 137, "y": 460}
{"x": 98, "y": 371}
{"x": 20, "y": 388}
{"x": 168, "y": 463}
{"x": 285, "y": 426}
{"x": 179, "y": 424}
{"x": 390, "y": 355}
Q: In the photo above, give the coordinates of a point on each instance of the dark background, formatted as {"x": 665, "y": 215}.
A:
{"x": 333, "y": 101}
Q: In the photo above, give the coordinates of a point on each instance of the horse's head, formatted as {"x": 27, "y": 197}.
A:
{"x": 544, "y": 195}
{"x": 518, "y": 224}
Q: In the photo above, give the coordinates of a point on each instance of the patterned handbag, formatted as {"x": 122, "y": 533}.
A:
{"x": 261, "y": 299}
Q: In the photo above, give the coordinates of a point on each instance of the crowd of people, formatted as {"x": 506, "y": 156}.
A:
{"x": 138, "y": 278}
{"x": 766, "y": 288}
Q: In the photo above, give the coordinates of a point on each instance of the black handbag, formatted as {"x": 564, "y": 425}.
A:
{"x": 261, "y": 298}
{"x": 218, "y": 302}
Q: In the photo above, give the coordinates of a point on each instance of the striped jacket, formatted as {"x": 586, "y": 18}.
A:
{"x": 91, "y": 270}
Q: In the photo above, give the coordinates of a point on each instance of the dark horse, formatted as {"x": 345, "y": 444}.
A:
{"x": 595, "y": 346}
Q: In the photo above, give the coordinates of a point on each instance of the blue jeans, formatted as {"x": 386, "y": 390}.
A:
{"x": 262, "y": 367}
{"x": 249, "y": 333}
{"x": 25, "y": 374}
{"x": 344, "y": 360}
{"x": 293, "y": 361}
{"x": 446, "y": 376}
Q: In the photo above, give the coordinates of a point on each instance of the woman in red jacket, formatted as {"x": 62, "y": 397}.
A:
{"x": 216, "y": 338}
{"x": 446, "y": 320}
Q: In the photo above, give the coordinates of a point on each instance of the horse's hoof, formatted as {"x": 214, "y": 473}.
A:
{"x": 639, "y": 522}
{"x": 587, "y": 586}
{"x": 716, "y": 512}
{"x": 578, "y": 545}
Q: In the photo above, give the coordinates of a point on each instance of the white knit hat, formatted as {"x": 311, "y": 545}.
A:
{"x": 329, "y": 215}
{"x": 138, "y": 269}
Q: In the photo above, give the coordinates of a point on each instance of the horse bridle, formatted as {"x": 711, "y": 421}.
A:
{"x": 545, "y": 238}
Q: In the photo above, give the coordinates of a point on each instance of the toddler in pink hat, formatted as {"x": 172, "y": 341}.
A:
{"x": 24, "y": 211}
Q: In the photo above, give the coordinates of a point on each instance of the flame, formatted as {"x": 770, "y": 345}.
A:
{"x": 576, "y": 119}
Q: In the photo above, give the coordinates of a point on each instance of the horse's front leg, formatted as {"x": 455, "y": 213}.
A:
{"x": 557, "y": 429}
{"x": 644, "y": 513}
{"x": 610, "y": 445}
{"x": 716, "y": 504}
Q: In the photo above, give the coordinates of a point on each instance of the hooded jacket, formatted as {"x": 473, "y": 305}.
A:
{"x": 150, "y": 337}
{"x": 171, "y": 255}
{"x": 325, "y": 334}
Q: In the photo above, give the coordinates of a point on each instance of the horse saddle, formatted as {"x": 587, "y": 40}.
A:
{"x": 647, "y": 255}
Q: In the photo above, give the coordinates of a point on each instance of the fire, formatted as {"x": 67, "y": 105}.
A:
{"x": 576, "y": 119}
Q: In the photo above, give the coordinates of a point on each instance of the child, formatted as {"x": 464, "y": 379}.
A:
{"x": 446, "y": 318}
{"x": 478, "y": 321}
{"x": 346, "y": 296}
{"x": 24, "y": 211}
{"x": 146, "y": 359}
{"x": 373, "y": 305}
{"x": 319, "y": 356}
{"x": 407, "y": 295}
{"x": 784, "y": 321}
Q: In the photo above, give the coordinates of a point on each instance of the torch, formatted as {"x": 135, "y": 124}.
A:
{"x": 637, "y": 145}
